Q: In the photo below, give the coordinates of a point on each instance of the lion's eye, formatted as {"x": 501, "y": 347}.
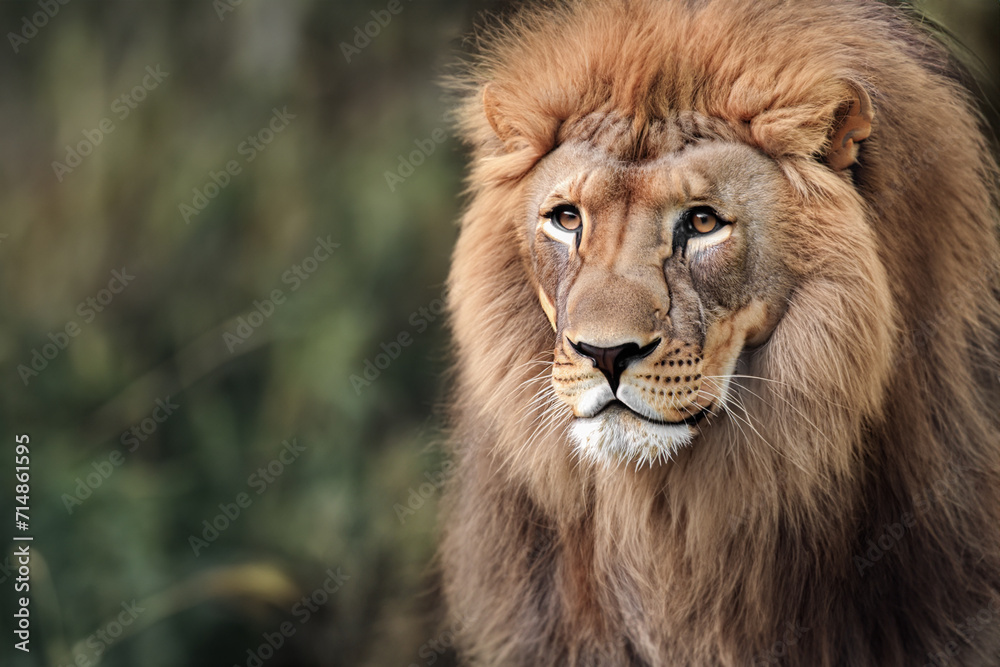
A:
{"x": 700, "y": 228}
{"x": 703, "y": 221}
{"x": 563, "y": 224}
{"x": 566, "y": 217}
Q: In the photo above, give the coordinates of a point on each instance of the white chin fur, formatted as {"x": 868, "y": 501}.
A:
{"x": 619, "y": 437}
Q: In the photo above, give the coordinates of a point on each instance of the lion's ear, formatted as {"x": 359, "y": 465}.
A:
{"x": 491, "y": 107}
{"x": 522, "y": 125}
{"x": 852, "y": 124}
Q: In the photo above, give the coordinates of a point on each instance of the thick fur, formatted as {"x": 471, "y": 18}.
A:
{"x": 853, "y": 516}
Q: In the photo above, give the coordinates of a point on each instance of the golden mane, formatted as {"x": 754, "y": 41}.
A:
{"x": 864, "y": 510}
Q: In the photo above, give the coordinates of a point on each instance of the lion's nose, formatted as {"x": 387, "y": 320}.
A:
{"x": 612, "y": 361}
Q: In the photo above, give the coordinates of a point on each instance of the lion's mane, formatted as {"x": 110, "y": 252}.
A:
{"x": 858, "y": 522}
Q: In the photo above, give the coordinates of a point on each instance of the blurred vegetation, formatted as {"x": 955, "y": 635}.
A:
{"x": 181, "y": 331}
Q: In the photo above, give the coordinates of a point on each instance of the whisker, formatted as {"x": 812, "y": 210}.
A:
{"x": 737, "y": 402}
{"x": 791, "y": 405}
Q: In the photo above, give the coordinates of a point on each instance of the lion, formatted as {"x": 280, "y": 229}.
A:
{"x": 725, "y": 307}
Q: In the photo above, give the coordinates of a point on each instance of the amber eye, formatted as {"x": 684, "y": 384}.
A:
{"x": 566, "y": 217}
{"x": 703, "y": 221}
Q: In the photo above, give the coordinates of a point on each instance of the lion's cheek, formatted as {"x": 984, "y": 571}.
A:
{"x": 724, "y": 341}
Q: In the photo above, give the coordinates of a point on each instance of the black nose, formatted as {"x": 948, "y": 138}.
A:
{"x": 612, "y": 361}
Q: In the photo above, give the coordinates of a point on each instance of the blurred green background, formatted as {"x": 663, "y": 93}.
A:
{"x": 187, "y": 294}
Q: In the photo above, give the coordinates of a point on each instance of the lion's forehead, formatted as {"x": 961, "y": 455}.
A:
{"x": 628, "y": 140}
{"x": 604, "y": 183}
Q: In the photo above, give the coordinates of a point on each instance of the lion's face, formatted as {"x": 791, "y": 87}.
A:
{"x": 656, "y": 274}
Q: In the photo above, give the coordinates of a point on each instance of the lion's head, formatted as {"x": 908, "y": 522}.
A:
{"x": 662, "y": 257}
{"x": 753, "y": 245}
{"x": 680, "y": 241}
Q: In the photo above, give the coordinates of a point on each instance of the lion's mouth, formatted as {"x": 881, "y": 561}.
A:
{"x": 618, "y": 406}
{"x": 617, "y": 433}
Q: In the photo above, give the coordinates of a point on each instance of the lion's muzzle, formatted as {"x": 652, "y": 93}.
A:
{"x": 660, "y": 381}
